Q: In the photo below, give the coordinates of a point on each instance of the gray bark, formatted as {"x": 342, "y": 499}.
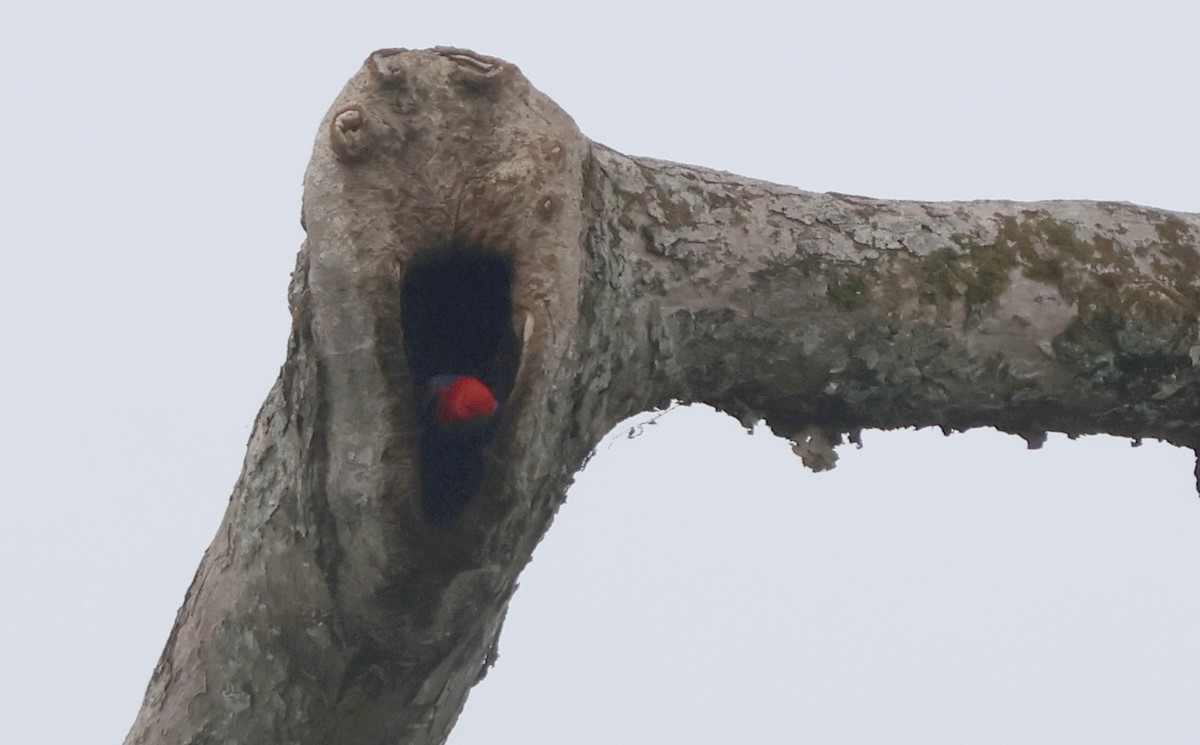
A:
{"x": 328, "y": 610}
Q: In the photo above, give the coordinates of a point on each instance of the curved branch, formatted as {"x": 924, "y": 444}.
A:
{"x": 587, "y": 286}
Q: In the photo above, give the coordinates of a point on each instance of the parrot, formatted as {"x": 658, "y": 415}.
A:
{"x": 460, "y": 404}
{"x": 458, "y": 414}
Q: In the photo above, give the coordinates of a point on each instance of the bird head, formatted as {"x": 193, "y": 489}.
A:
{"x": 461, "y": 403}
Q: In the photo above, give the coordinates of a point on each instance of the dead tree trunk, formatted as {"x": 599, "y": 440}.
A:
{"x": 457, "y": 217}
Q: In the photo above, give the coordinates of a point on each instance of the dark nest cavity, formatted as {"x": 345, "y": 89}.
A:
{"x": 457, "y": 311}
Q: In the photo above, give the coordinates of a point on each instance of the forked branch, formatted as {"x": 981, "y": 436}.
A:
{"x": 458, "y": 222}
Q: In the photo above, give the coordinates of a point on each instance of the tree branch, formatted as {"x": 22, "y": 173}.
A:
{"x": 328, "y": 609}
{"x": 839, "y": 313}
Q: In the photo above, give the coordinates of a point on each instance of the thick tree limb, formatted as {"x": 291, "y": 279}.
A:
{"x": 837, "y": 312}
{"x": 328, "y": 610}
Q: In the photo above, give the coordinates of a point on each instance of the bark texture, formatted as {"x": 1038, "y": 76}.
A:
{"x": 329, "y": 610}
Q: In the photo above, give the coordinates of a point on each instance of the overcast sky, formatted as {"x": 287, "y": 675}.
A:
{"x": 699, "y": 586}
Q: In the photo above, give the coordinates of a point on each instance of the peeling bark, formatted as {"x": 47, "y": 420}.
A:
{"x": 329, "y": 610}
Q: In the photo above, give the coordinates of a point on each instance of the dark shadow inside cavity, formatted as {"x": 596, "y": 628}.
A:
{"x": 457, "y": 312}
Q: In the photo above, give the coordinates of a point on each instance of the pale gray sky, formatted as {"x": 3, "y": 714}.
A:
{"x": 699, "y": 586}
